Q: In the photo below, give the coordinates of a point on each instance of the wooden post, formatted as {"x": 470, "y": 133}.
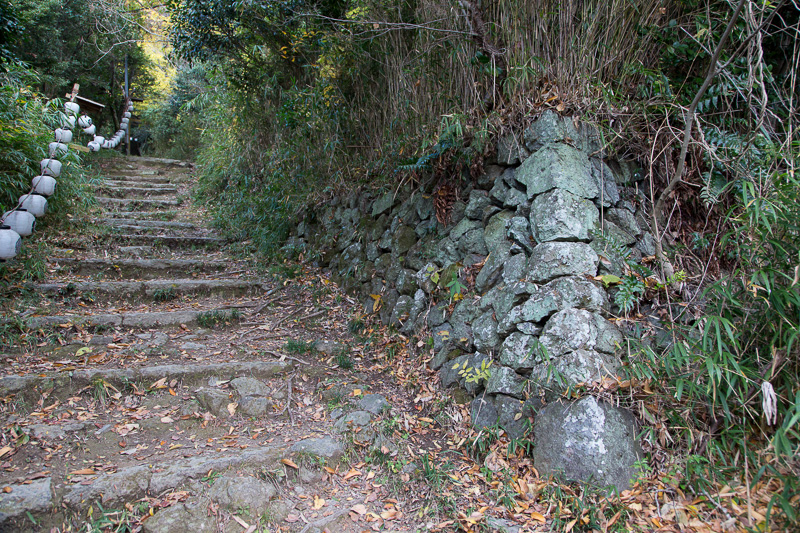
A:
{"x": 74, "y": 92}
{"x": 127, "y": 100}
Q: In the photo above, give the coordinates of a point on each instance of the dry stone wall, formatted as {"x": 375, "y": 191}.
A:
{"x": 526, "y": 241}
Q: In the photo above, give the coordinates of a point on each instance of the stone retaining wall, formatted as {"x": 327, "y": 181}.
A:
{"x": 525, "y": 242}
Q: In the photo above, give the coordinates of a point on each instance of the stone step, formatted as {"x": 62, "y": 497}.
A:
{"x": 137, "y": 229}
{"x": 131, "y": 183}
{"x": 134, "y": 222}
{"x": 235, "y": 485}
{"x": 121, "y": 202}
{"x": 138, "y": 268}
{"x": 65, "y": 384}
{"x": 149, "y": 290}
{"x": 153, "y": 215}
{"x": 156, "y": 319}
{"x": 170, "y": 240}
{"x": 144, "y": 180}
{"x": 136, "y": 192}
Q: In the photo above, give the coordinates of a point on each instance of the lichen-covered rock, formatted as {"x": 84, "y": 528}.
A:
{"x": 558, "y": 166}
{"x": 520, "y": 351}
{"x": 510, "y": 416}
{"x": 514, "y": 268}
{"x": 254, "y": 406}
{"x": 424, "y": 206}
{"x": 484, "y": 331}
{"x": 515, "y": 199}
{"x": 504, "y": 380}
{"x": 478, "y": 201}
{"x": 519, "y": 231}
{"x": 418, "y": 306}
{"x": 577, "y": 329}
{"x": 495, "y": 231}
{"x": 182, "y": 518}
{"x": 446, "y": 252}
{"x": 556, "y": 375}
{"x": 551, "y": 260}
{"x": 625, "y": 220}
{"x": 609, "y": 193}
{"x": 499, "y": 191}
{"x": 247, "y": 386}
{"x": 449, "y": 374}
{"x": 549, "y": 127}
{"x": 492, "y": 269}
{"x": 245, "y": 492}
{"x": 483, "y": 413}
{"x": 561, "y": 293}
{"x": 569, "y": 330}
{"x": 425, "y": 277}
{"x": 617, "y": 235}
{"x": 559, "y": 215}
{"x": 442, "y": 336}
{"x": 374, "y": 403}
{"x": 34, "y": 497}
{"x": 505, "y": 299}
{"x": 406, "y": 281}
{"x": 473, "y": 242}
{"x": 443, "y": 356}
{"x": 402, "y": 310}
{"x": 389, "y": 300}
{"x": 403, "y": 239}
{"x": 587, "y": 441}
{"x": 214, "y": 401}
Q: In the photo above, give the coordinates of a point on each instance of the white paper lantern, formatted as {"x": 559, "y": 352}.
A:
{"x": 10, "y": 243}
{"x": 50, "y": 167}
{"x": 34, "y": 204}
{"x": 84, "y": 121}
{"x": 93, "y": 146}
{"x": 44, "y": 185}
{"x": 56, "y": 149}
{"x": 99, "y": 139}
{"x": 20, "y": 221}
{"x": 68, "y": 123}
{"x": 126, "y": 114}
{"x": 91, "y": 130}
{"x": 63, "y": 136}
{"x": 123, "y": 127}
{"x": 72, "y": 108}
{"x": 124, "y": 121}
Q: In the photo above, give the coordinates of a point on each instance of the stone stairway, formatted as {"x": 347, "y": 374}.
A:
{"x": 157, "y": 393}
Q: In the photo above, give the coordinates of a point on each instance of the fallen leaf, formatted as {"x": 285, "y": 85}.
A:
{"x": 538, "y": 517}
{"x": 289, "y": 462}
{"x": 292, "y": 518}
{"x": 319, "y": 503}
{"x": 352, "y": 473}
{"x": 232, "y": 408}
{"x": 82, "y": 472}
{"x": 359, "y": 508}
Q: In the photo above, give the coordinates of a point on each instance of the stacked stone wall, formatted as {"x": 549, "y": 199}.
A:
{"x": 527, "y": 240}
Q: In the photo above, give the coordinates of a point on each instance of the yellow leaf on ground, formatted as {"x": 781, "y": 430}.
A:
{"x": 289, "y": 462}
{"x": 319, "y": 503}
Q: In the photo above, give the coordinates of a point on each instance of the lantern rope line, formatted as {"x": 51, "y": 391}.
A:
{"x": 11, "y": 234}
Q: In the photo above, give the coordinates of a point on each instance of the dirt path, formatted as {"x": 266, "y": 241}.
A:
{"x": 166, "y": 384}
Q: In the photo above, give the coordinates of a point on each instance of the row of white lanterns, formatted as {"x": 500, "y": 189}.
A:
{"x": 21, "y": 221}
